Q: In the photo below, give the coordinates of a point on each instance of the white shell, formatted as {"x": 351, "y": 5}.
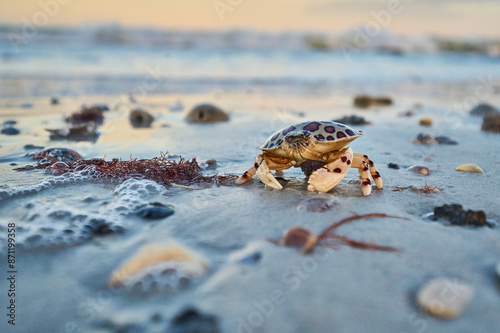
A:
{"x": 469, "y": 168}
{"x": 445, "y": 298}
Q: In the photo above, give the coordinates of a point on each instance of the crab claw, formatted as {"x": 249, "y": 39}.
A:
{"x": 265, "y": 174}
{"x": 326, "y": 178}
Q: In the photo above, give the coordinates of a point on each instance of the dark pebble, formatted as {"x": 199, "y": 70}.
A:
{"x": 54, "y": 101}
{"x": 206, "y": 113}
{"x": 352, "y": 120}
{"x": 191, "y": 320}
{"x": 9, "y": 123}
{"x": 444, "y": 140}
{"x": 483, "y": 110}
{"x": 26, "y": 105}
{"x": 309, "y": 166}
{"x": 140, "y": 118}
{"x": 155, "y": 211}
{"x": 252, "y": 258}
{"x": 393, "y": 166}
{"x": 31, "y": 146}
{"x": 10, "y": 131}
{"x": 458, "y": 216}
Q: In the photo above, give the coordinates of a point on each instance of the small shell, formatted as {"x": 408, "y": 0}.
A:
{"x": 315, "y": 205}
{"x": 445, "y": 298}
{"x": 420, "y": 169}
{"x": 159, "y": 257}
{"x": 426, "y": 121}
{"x": 299, "y": 237}
{"x": 469, "y": 168}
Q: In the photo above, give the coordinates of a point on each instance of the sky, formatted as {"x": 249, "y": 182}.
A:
{"x": 438, "y": 17}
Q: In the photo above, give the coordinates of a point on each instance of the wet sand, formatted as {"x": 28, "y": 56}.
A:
{"x": 64, "y": 288}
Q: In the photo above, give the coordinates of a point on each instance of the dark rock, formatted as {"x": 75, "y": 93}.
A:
{"x": 393, "y": 166}
{"x": 26, "y": 105}
{"x": 9, "y": 122}
{"x": 59, "y": 154}
{"x": 484, "y": 110}
{"x": 206, "y": 113}
{"x": 425, "y": 139}
{"x": 10, "y": 131}
{"x": 54, "y": 101}
{"x": 352, "y": 120}
{"x": 155, "y": 211}
{"x": 491, "y": 124}
{"x": 191, "y": 320}
{"x": 140, "y": 118}
{"x": 458, "y": 216}
{"x": 31, "y": 146}
{"x": 444, "y": 140}
{"x": 309, "y": 166}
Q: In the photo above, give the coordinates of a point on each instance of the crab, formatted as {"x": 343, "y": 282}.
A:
{"x": 319, "y": 149}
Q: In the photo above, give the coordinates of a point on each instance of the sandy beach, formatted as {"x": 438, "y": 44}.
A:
{"x": 252, "y": 285}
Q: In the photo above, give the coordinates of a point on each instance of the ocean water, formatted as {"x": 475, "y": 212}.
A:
{"x": 74, "y": 63}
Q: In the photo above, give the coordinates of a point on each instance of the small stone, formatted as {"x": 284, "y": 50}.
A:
{"x": 155, "y": 211}
{"x": 31, "y": 146}
{"x": 140, "y": 118}
{"x": 9, "y": 122}
{"x": 393, "y": 166}
{"x": 10, "y": 131}
{"x": 206, "y": 113}
{"x": 458, "y": 216}
{"x": 299, "y": 237}
{"x": 425, "y": 139}
{"x": 191, "y": 320}
{"x": 210, "y": 164}
{"x": 54, "y": 101}
{"x": 352, "y": 120}
{"x": 445, "y": 298}
{"x": 315, "y": 205}
{"x": 491, "y": 124}
{"x": 426, "y": 121}
{"x": 444, "y": 140}
{"x": 420, "y": 169}
{"x": 469, "y": 168}
{"x": 483, "y": 110}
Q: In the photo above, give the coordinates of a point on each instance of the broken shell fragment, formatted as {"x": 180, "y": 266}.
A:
{"x": 420, "y": 169}
{"x": 445, "y": 298}
{"x": 171, "y": 264}
{"x": 469, "y": 168}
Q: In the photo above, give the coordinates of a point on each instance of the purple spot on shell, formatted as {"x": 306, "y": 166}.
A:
{"x": 337, "y": 170}
{"x": 341, "y": 125}
{"x": 343, "y": 159}
{"x": 288, "y": 130}
{"x": 330, "y": 138}
{"x": 350, "y": 132}
{"x": 340, "y": 135}
{"x": 312, "y": 127}
{"x": 319, "y": 137}
{"x": 280, "y": 141}
{"x": 275, "y": 136}
{"x": 330, "y": 129}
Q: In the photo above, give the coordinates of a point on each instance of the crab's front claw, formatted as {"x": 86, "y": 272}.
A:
{"x": 265, "y": 174}
{"x": 326, "y": 178}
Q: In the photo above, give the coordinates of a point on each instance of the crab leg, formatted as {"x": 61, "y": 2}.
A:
{"x": 265, "y": 174}
{"x": 363, "y": 169}
{"x": 373, "y": 170}
{"x": 327, "y": 177}
{"x": 246, "y": 176}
